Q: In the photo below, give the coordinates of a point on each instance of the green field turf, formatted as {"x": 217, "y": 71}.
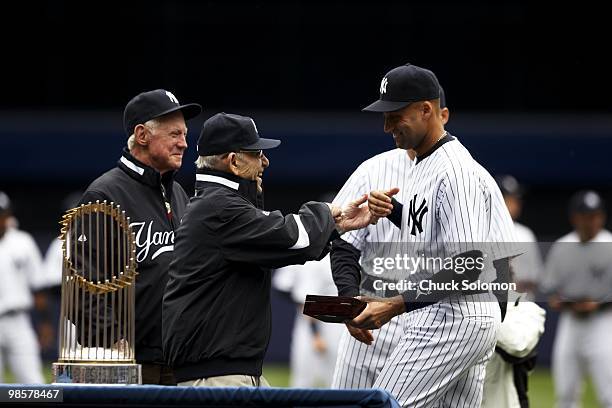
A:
{"x": 540, "y": 385}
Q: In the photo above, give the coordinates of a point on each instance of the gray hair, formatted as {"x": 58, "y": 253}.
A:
{"x": 210, "y": 162}
{"x": 131, "y": 142}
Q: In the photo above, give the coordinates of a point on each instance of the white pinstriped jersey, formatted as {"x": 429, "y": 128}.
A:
{"x": 453, "y": 205}
{"x": 20, "y": 268}
{"x": 381, "y": 172}
{"x": 358, "y": 365}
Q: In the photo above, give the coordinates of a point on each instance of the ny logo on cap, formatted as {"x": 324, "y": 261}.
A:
{"x": 172, "y": 97}
{"x": 383, "y": 85}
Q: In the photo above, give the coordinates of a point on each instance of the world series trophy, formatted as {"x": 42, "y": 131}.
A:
{"x": 96, "y": 344}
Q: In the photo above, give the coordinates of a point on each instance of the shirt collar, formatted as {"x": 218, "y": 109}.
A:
{"x": 141, "y": 172}
{"x": 446, "y": 137}
{"x": 246, "y": 188}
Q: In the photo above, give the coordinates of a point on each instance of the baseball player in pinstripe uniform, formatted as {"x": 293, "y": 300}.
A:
{"x": 361, "y": 356}
{"x": 449, "y": 334}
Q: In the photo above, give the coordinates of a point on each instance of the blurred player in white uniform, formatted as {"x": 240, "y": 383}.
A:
{"x": 579, "y": 283}
{"x": 314, "y": 344}
{"x": 20, "y": 265}
{"x": 48, "y": 297}
{"x": 528, "y": 267}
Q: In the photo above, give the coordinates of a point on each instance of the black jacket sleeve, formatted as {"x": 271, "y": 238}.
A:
{"x": 346, "y": 270}
{"x": 271, "y": 239}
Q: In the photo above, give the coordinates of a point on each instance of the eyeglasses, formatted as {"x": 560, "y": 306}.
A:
{"x": 255, "y": 153}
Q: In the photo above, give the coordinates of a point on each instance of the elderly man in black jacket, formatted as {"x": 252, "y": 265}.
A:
{"x": 143, "y": 185}
{"x": 216, "y": 309}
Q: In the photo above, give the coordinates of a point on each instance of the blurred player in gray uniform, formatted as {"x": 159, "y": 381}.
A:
{"x": 579, "y": 281}
{"x": 20, "y": 264}
{"x": 528, "y": 267}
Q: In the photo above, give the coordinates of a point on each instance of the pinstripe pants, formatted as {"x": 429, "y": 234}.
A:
{"x": 358, "y": 364}
{"x": 441, "y": 358}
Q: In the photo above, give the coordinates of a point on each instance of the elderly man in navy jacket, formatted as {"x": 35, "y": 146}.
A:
{"x": 216, "y": 310}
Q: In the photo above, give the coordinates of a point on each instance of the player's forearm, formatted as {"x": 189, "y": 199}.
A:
{"x": 396, "y": 214}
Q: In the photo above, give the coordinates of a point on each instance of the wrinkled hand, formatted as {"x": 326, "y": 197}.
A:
{"x": 362, "y": 335}
{"x": 380, "y": 202}
{"x": 378, "y": 312}
{"x": 354, "y": 216}
{"x": 336, "y": 211}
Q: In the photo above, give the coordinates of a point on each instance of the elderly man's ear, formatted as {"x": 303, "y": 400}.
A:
{"x": 141, "y": 135}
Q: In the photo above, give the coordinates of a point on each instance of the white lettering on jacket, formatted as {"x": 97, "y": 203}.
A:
{"x": 146, "y": 238}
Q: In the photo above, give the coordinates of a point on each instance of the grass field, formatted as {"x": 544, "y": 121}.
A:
{"x": 540, "y": 385}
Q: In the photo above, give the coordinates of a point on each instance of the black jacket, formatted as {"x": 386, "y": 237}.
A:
{"x": 139, "y": 190}
{"x": 216, "y": 309}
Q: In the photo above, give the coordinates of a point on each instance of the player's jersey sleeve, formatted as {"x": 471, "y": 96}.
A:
{"x": 463, "y": 209}
{"x": 552, "y": 270}
{"x": 503, "y": 239}
{"x": 356, "y": 185}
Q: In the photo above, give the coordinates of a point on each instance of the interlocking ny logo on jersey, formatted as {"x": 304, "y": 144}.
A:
{"x": 383, "y": 85}
{"x": 416, "y": 217}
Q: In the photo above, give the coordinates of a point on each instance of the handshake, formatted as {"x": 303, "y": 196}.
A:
{"x": 356, "y": 215}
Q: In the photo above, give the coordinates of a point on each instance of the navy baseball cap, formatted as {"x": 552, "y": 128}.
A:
{"x": 509, "y": 185}
{"x": 404, "y": 85}
{"x": 153, "y": 104}
{"x": 586, "y": 201}
{"x": 5, "y": 202}
{"x": 442, "y": 98}
{"x": 226, "y": 132}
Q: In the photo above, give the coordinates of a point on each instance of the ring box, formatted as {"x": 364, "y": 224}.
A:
{"x": 333, "y": 309}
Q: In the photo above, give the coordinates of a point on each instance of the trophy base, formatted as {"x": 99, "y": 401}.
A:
{"x": 97, "y": 373}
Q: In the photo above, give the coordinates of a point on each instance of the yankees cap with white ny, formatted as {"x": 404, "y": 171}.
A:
{"x": 404, "y": 85}
{"x": 153, "y": 104}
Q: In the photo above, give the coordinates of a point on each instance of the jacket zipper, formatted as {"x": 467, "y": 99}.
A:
{"x": 168, "y": 206}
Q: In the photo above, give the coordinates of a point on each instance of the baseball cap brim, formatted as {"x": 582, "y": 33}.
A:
{"x": 190, "y": 111}
{"x": 385, "y": 106}
{"x": 262, "y": 144}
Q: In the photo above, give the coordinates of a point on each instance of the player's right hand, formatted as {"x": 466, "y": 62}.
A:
{"x": 362, "y": 335}
{"x": 379, "y": 202}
